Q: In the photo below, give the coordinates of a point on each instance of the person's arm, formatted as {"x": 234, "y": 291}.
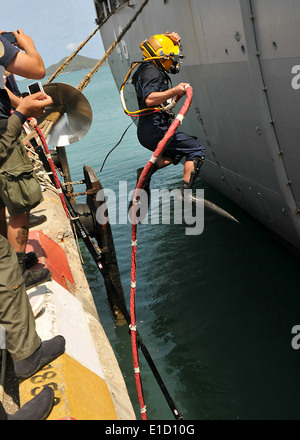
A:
{"x": 15, "y": 100}
{"x": 30, "y": 106}
{"x": 157, "y": 98}
{"x": 29, "y": 63}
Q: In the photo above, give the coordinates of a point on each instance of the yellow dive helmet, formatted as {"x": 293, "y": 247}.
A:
{"x": 163, "y": 52}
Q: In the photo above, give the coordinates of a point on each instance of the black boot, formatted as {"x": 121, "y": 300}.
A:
{"x": 198, "y": 162}
{"x": 46, "y": 353}
{"x": 33, "y": 277}
{"x": 35, "y": 220}
{"x": 37, "y": 408}
{"x": 36, "y": 277}
{"x": 185, "y": 195}
{"x": 30, "y": 259}
{"x": 184, "y": 185}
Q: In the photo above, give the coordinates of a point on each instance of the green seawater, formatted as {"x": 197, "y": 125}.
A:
{"x": 215, "y": 311}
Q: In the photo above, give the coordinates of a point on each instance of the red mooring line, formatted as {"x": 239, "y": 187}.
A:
{"x": 157, "y": 153}
{"x": 52, "y": 166}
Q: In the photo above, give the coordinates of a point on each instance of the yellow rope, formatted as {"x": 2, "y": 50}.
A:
{"x": 95, "y": 69}
{"x": 70, "y": 58}
{"x": 47, "y": 124}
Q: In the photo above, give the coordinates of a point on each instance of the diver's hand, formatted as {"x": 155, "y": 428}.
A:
{"x": 174, "y": 37}
{"x": 181, "y": 89}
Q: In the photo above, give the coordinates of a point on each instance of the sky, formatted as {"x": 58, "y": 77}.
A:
{"x": 57, "y": 27}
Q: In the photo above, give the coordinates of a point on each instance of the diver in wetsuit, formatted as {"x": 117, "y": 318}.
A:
{"x": 153, "y": 88}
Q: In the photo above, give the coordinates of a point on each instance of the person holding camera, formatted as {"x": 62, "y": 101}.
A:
{"x": 19, "y": 189}
{"x": 28, "y": 352}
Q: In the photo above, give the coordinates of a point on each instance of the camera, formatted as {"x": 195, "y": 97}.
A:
{"x": 35, "y": 88}
{"x": 10, "y": 37}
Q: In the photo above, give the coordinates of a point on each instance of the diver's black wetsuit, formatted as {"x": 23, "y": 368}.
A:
{"x": 152, "y": 127}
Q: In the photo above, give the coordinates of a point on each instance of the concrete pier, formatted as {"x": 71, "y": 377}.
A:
{"x": 87, "y": 380}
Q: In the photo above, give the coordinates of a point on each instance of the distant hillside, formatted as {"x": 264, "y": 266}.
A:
{"x": 78, "y": 63}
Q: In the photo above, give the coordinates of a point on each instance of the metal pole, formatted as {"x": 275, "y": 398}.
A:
{"x": 3, "y": 361}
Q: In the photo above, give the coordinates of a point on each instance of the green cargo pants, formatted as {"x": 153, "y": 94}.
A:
{"x": 20, "y": 190}
{"x": 15, "y": 311}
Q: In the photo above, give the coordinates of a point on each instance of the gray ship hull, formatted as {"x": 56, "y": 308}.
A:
{"x": 242, "y": 58}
